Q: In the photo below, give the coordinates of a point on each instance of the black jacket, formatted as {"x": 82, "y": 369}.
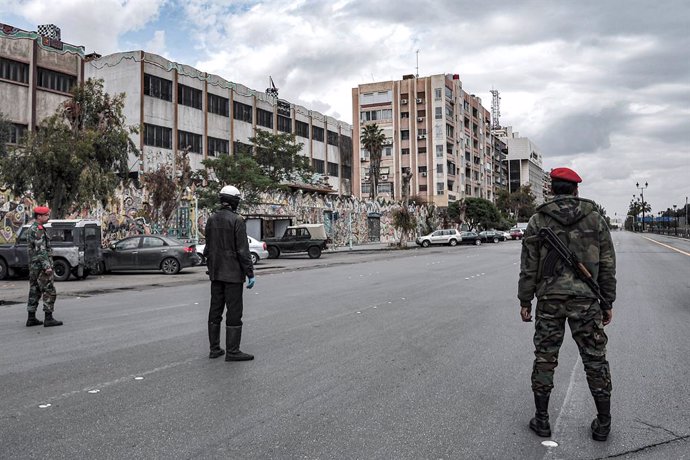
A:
{"x": 227, "y": 248}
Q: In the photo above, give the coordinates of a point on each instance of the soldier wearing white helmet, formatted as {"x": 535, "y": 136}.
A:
{"x": 229, "y": 264}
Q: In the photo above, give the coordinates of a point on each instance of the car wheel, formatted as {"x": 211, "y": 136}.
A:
{"x": 61, "y": 270}
{"x": 425, "y": 243}
{"x": 453, "y": 242}
{"x": 273, "y": 252}
{"x": 255, "y": 258}
{"x": 495, "y": 240}
{"x": 3, "y": 270}
{"x": 170, "y": 266}
{"x": 314, "y": 252}
{"x": 477, "y": 242}
{"x": 202, "y": 259}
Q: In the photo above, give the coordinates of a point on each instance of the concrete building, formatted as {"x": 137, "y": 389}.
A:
{"x": 434, "y": 128}
{"x": 177, "y": 106}
{"x": 37, "y": 71}
{"x": 524, "y": 163}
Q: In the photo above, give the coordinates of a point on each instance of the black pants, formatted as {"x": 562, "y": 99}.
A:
{"x": 223, "y": 294}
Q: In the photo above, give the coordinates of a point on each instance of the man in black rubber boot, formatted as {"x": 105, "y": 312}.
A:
{"x": 229, "y": 264}
{"x": 50, "y": 321}
{"x": 214, "y": 341}
{"x": 233, "y": 336}
{"x": 540, "y": 423}
{"x": 601, "y": 426}
{"x": 32, "y": 320}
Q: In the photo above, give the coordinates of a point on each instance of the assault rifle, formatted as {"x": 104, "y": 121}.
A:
{"x": 571, "y": 260}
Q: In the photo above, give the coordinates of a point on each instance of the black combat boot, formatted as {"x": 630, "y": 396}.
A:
{"x": 32, "y": 320}
{"x": 540, "y": 423}
{"x": 601, "y": 426}
{"x": 233, "y": 335}
{"x": 214, "y": 341}
{"x": 50, "y": 321}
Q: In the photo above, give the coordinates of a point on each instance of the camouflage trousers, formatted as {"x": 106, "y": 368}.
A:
{"x": 41, "y": 285}
{"x": 585, "y": 320}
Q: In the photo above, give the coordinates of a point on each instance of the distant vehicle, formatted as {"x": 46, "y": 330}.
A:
{"x": 516, "y": 233}
{"x": 309, "y": 238}
{"x": 450, "y": 237}
{"x": 257, "y": 249}
{"x": 75, "y": 244}
{"x": 470, "y": 238}
{"x": 492, "y": 236}
{"x": 149, "y": 252}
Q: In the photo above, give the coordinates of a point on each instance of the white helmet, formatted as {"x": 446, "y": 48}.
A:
{"x": 230, "y": 195}
{"x": 230, "y": 190}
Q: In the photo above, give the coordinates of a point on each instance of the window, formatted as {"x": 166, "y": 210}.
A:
{"x": 385, "y": 187}
{"x": 218, "y": 105}
{"x": 421, "y": 151}
{"x": 440, "y": 187}
{"x": 405, "y": 134}
{"x": 422, "y": 188}
{"x": 332, "y": 137}
{"x": 186, "y": 139}
{"x": 157, "y": 136}
{"x": 152, "y": 242}
{"x": 17, "y": 132}
{"x": 438, "y": 113}
{"x": 439, "y": 168}
{"x": 317, "y": 133}
{"x": 218, "y": 147}
{"x": 131, "y": 243}
{"x": 191, "y": 97}
{"x": 377, "y": 97}
{"x": 372, "y": 115}
{"x": 284, "y": 124}
{"x": 318, "y": 165}
{"x": 404, "y": 114}
{"x": 421, "y": 169}
{"x": 333, "y": 169}
{"x": 450, "y": 131}
{"x": 56, "y": 81}
{"x": 157, "y": 87}
{"x": 264, "y": 118}
{"x": 449, "y": 111}
{"x": 13, "y": 70}
{"x": 242, "y": 112}
{"x": 449, "y": 93}
{"x": 240, "y": 148}
{"x": 437, "y": 94}
{"x": 405, "y": 152}
{"x": 347, "y": 172}
{"x": 388, "y": 151}
{"x": 302, "y": 129}
{"x": 366, "y": 187}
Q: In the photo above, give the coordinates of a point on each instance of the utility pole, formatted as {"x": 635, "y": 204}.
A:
{"x": 642, "y": 189}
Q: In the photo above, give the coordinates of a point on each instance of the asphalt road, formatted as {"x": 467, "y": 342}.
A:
{"x": 392, "y": 355}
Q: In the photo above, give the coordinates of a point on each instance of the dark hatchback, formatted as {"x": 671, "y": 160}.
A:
{"x": 470, "y": 238}
{"x": 149, "y": 252}
{"x": 492, "y": 236}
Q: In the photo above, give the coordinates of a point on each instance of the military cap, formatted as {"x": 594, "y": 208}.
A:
{"x": 565, "y": 174}
{"x": 40, "y": 210}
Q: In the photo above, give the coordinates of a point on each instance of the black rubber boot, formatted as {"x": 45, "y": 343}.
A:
{"x": 601, "y": 426}
{"x": 32, "y": 320}
{"x": 540, "y": 423}
{"x": 214, "y": 341}
{"x": 50, "y": 321}
{"x": 233, "y": 336}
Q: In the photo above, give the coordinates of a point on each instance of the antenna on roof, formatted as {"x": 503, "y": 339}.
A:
{"x": 417, "y": 74}
{"x": 272, "y": 90}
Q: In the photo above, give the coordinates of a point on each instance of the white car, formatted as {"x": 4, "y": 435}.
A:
{"x": 256, "y": 248}
{"x": 446, "y": 236}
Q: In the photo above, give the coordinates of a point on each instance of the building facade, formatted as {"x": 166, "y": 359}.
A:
{"x": 524, "y": 163}
{"x": 178, "y": 106}
{"x": 37, "y": 72}
{"x": 435, "y": 130}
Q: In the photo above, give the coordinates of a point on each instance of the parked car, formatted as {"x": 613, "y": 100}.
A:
{"x": 492, "y": 236}
{"x": 149, "y": 252}
{"x": 516, "y": 233}
{"x": 446, "y": 236}
{"x": 257, "y": 249}
{"x": 470, "y": 238}
{"x": 309, "y": 238}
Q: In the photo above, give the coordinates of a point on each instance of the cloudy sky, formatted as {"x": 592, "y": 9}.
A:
{"x": 602, "y": 86}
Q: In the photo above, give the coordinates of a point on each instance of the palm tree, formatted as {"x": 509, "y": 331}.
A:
{"x": 372, "y": 141}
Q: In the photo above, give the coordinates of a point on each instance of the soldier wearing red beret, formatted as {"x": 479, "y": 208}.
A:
{"x": 40, "y": 271}
{"x": 562, "y": 296}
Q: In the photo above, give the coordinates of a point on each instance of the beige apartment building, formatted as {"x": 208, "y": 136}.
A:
{"x": 37, "y": 71}
{"x": 434, "y": 128}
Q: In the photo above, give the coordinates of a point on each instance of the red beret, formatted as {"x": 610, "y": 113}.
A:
{"x": 38, "y": 210}
{"x": 565, "y": 174}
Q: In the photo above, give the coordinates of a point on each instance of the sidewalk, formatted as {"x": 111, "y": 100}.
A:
{"x": 371, "y": 246}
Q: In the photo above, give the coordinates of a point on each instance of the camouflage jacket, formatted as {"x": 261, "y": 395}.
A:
{"x": 577, "y": 223}
{"x": 39, "y": 248}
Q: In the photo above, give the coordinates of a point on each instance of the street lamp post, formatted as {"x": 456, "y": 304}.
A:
{"x": 675, "y": 214}
{"x": 642, "y": 194}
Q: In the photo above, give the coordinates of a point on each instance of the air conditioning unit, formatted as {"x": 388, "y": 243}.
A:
{"x": 387, "y": 142}
{"x": 403, "y": 101}
{"x": 384, "y": 176}
{"x": 420, "y": 118}
{"x": 419, "y": 100}
{"x": 423, "y": 174}
{"x": 421, "y": 136}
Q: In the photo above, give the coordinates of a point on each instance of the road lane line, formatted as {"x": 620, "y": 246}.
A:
{"x": 559, "y": 427}
{"x": 667, "y": 246}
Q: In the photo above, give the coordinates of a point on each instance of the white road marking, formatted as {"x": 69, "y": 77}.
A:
{"x": 667, "y": 246}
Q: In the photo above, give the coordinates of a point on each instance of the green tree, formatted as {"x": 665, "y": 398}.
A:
{"x": 167, "y": 186}
{"x": 405, "y": 222}
{"x": 78, "y": 156}
{"x": 372, "y": 141}
{"x": 481, "y": 213}
{"x": 520, "y": 205}
{"x": 4, "y": 135}
{"x": 602, "y": 211}
{"x": 280, "y": 159}
{"x": 456, "y": 211}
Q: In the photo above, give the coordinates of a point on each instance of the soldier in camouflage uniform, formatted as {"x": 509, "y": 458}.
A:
{"x": 40, "y": 271}
{"x": 562, "y": 296}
